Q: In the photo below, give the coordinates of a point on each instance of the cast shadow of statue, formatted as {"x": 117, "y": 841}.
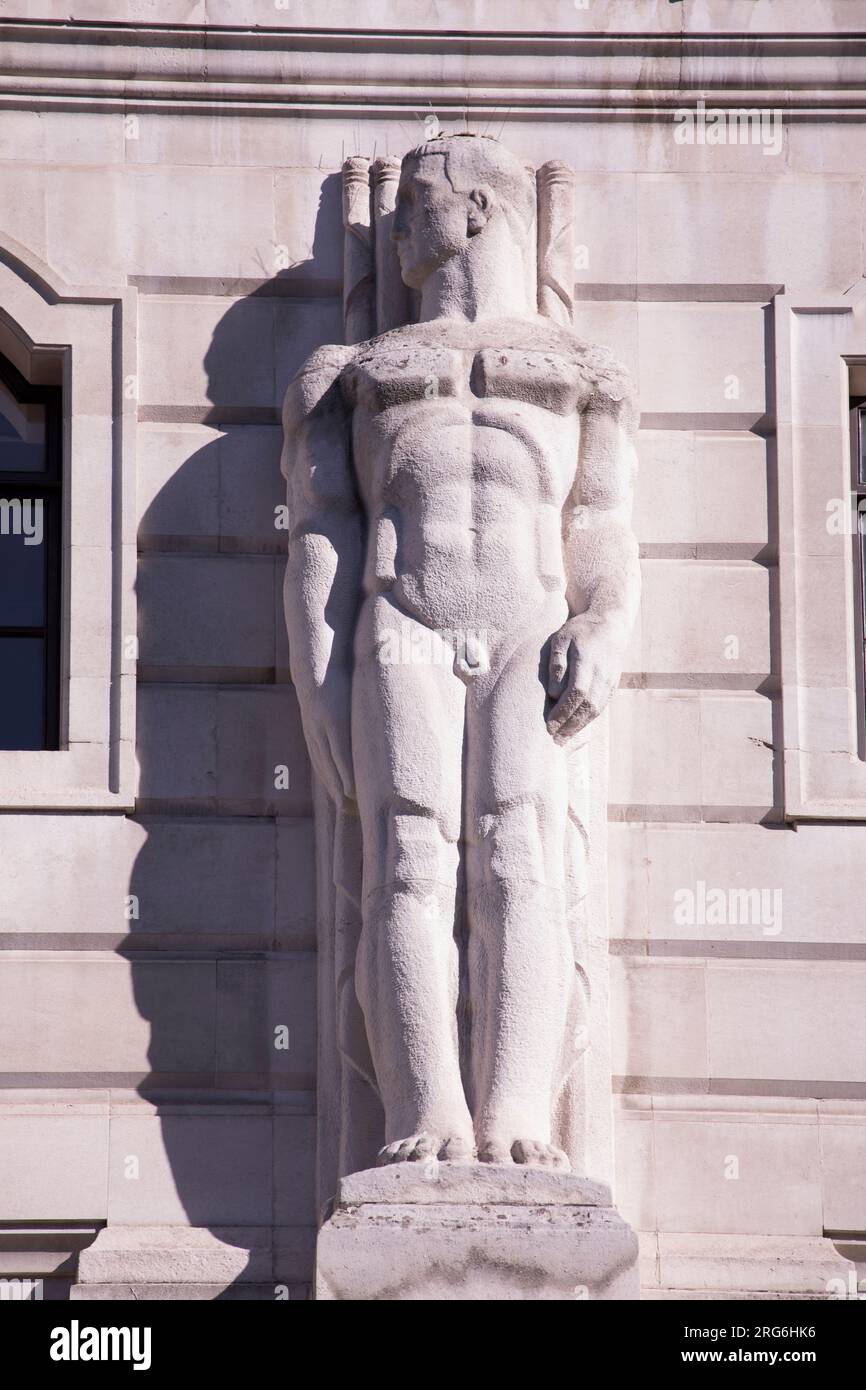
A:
{"x": 203, "y": 893}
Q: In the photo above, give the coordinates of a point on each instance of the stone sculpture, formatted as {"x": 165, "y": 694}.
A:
{"x": 461, "y": 585}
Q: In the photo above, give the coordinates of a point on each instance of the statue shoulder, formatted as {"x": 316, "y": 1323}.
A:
{"x": 609, "y": 386}
{"x": 316, "y": 385}
{"x": 606, "y": 384}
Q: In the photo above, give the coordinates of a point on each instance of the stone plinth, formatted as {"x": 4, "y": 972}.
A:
{"x": 441, "y": 1231}
{"x": 135, "y": 1263}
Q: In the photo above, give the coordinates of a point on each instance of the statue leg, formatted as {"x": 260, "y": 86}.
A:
{"x": 520, "y": 954}
{"x": 408, "y": 713}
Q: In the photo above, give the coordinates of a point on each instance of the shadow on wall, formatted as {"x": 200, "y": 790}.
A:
{"x": 222, "y": 949}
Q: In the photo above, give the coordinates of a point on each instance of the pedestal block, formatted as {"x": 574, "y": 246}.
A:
{"x": 441, "y": 1231}
{"x": 136, "y": 1263}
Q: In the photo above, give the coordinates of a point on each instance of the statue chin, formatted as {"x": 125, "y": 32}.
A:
{"x": 416, "y": 272}
{"x": 415, "y": 275}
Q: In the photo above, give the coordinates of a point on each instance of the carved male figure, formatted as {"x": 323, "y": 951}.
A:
{"x": 469, "y": 473}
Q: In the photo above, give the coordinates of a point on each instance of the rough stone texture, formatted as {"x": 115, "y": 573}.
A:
{"x": 447, "y": 666}
{"x": 471, "y": 1235}
{"x": 468, "y": 1184}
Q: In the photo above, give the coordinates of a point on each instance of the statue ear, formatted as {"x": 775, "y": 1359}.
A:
{"x": 482, "y": 201}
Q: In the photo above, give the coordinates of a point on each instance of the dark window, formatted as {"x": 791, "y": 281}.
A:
{"x": 30, "y": 504}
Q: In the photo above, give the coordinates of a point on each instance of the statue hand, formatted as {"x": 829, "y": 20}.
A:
{"x": 584, "y": 668}
{"x": 327, "y": 719}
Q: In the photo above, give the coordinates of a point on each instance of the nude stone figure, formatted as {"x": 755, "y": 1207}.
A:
{"x": 461, "y": 585}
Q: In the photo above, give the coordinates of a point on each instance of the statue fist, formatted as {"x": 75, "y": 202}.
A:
{"x": 583, "y": 672}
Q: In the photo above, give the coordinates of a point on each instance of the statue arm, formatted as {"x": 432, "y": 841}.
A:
{"x": 601, "y": 563}
{"x": 324, "y": 570}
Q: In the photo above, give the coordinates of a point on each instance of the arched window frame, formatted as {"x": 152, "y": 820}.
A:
{"x": 89, "y": 335}
{"x": 47, "y": 487}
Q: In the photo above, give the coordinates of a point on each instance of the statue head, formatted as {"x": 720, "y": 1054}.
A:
{"x": 452, "y": 190}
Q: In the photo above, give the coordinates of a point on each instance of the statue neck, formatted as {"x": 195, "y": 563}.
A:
{"x": 487, "y": 280}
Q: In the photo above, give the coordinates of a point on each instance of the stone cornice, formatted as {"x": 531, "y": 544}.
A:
{"x": 174, "y": 68}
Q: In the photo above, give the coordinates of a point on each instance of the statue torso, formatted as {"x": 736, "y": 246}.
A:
{"x": 465, "y": 444}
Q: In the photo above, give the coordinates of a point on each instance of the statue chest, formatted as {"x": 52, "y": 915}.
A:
{"x": 395, "y": 380}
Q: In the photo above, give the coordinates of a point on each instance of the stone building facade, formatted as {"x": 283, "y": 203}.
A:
{"x": 171, "y": 250}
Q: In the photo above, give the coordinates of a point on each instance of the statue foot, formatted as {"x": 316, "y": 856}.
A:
{"x": 449, "y": 1148}
{"x": 529, "y": 1151}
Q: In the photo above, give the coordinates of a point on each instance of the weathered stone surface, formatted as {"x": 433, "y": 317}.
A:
{"x": 462, "y": 1239}
{"x": 461, "y": 585}
{"x": 470, "y": 1184}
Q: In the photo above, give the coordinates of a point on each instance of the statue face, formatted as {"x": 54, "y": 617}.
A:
{"x": 431, "y": 220}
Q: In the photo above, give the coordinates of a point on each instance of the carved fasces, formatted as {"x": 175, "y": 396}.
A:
{"x": 358, "y": 272}
{"x": 393, "y": 303}
{"x": 555, "y": 184}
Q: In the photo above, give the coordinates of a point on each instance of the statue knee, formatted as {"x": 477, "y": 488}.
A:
{"x": 419, "y": 852}
{"x": 413, "y": 882}
{"x": 509, "y": 846}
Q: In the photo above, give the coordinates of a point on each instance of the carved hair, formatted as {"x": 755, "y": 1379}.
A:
{"x": 474, "y": 159}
